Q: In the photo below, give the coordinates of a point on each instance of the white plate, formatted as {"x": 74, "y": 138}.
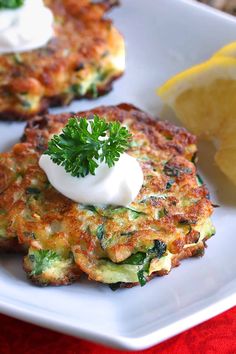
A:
{"x": 163, "y": 37}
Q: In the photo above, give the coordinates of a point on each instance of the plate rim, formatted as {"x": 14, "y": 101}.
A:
{"x": 155, "y": 337}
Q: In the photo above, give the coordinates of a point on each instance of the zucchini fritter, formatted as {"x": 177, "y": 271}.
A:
{"x": 168, "y": 221}
{"x": 85, "y": 56}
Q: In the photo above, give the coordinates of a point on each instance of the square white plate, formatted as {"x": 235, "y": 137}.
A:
{"x": 163, "y": 37}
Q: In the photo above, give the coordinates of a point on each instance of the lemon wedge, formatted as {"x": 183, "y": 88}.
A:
{"x": 204, "y": 99}
{"x": 227, "y": 51}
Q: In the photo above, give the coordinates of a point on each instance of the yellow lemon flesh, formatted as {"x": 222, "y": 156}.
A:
{"x": 227, "y": 51}
{"x": 204, "y": 99}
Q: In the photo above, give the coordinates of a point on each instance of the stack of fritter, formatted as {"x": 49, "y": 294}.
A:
{"x": 120, "y": 246}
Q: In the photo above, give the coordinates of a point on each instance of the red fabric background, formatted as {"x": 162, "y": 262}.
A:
{"x": 216, "y": 336}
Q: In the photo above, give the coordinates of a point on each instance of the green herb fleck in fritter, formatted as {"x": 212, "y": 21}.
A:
{"x": 42, "y": 259}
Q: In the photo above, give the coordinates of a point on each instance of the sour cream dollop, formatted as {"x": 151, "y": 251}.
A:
{"x": 25, "y": 28}
{"x": 118, "y": 185}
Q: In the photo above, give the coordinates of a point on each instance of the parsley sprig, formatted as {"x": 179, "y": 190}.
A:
{"x": 84, "y": 144}
{"x": 43, "y": 260}
{"x": 10, "y": 4}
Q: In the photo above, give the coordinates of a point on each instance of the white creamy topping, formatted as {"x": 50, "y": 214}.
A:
{"x": 118, "y": 185}
{"x": 25, "y": 28}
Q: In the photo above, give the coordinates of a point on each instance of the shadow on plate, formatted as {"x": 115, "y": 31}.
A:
{"x": 10, "y": 133}
{"x": 11, "y": 265}
{"x": 9, "y": 144}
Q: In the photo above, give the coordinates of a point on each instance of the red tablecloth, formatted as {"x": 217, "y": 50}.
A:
{"x": 216, "y": 336}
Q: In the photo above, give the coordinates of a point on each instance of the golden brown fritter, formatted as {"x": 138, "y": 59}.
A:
{"x": 85, "y": 56}
{"x": 169, "y": 220}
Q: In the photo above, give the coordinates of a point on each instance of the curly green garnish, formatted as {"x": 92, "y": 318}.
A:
{"x": 11, "y": 4}
{"x": 84, "y": 144}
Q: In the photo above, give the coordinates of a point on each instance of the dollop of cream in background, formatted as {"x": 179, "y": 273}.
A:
{"x": 118, "y": 185}
{"x": 25, "y": 28}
